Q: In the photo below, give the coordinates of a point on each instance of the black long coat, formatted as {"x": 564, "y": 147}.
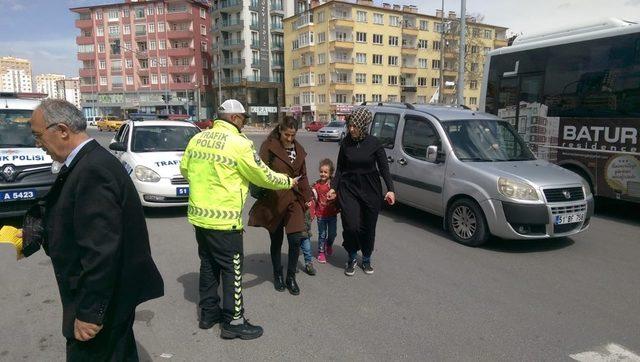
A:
{"x": 96, "y": 236}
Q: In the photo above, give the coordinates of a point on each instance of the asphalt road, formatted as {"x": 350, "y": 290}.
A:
{"x": 429, "y": 299}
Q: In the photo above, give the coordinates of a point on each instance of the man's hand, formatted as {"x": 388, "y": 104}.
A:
{"x": 84, "y": 331}
{"x": 331, "y": 195}
{"x": 390, "y": 198}
{"x": 294, "y": 181}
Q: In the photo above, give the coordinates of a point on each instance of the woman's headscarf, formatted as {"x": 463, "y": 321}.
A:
{"x": 360, "y": 119}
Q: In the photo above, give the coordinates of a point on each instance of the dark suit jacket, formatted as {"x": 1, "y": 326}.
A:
{"x": 96, "y": 236}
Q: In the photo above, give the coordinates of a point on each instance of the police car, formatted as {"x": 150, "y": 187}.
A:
{"x": 25, "y": 169}
{"x": 150, "y": 151}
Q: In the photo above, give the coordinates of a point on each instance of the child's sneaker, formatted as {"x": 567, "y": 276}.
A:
{"x": 367, "y": 268}
{"x": 321, "y": 258}
{"x": 350, "y": 269}
{"x": 309, "y": 269}
{"x": 329, "y": 250}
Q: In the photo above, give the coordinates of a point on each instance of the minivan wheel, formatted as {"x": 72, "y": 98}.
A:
{"x": 466, "y": 223}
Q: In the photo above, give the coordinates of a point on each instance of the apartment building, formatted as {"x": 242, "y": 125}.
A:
{"x": 48, "y": 84}
{"x": 248, "y": 52}
{"x": 15, "y": 75}
{"x": 69, "y": 89}
{"x": 145, "y": 56}
{"x": 341, "y": 53}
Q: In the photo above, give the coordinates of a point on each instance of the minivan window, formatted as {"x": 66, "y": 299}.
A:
{"x": 486, "y": 140}
{"x": 384, "y": 127}
{"x": 418, "y": 134}
{"x": 15, "y": 129}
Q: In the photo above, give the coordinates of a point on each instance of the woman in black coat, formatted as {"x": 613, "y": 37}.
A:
{"x": 361, "y": 162}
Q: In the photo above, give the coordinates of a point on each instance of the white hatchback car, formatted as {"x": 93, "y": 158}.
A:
{"x": 150, "y": 151}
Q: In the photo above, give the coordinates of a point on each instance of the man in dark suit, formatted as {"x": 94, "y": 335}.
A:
{"x": 96, "y": 235}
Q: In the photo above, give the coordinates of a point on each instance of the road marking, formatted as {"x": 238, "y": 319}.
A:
{"x": 609, "y": 353}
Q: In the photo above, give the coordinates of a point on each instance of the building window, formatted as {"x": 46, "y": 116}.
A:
{"x": 203, "y": 29}
{"x": 113, "y": 14}
{"x": 376, "y": 79}
{"x": 125, "y": 12}
{"x": 377, "y": 59}
{"x": 473, "y": 100}
{"x": 150, "y": 10}
{"x": 139, "y": 13}
{"x": 152, "y": 45}
{"x": 154, "y": 79}
{"x": 376, "y": 97}
{"x": 162, "y": 45}
{"x": 422, "y": 63}
{"x": 100, "y": 31}
{"x": 322, "y": 37}
{"x": 99, "y": 17}
{"x": 475, "y": 49}
{"x": 153, "y": 62}
{"x": 126, "y": 29}
{"x": 435, "y": 64}
{"x": 393, "y": 80}
{"x": 205, "y": 80}
{"x": 435, "y": 82}
{"x": 424, "y": 25}
{"x": 435, "y": 45}
{"x": 129, "y": 80}
{"x": 392, "y": 98}
{"x": 360, "y": 98}
{"x": 203, "y": 46}
{"x": 203, "y": 13}
{"x": 321, "y": 16}
{"x": 144, "y": 80}
{"x": 100, "y": 48}
{"x": 322, "y": 79}
{"x": 361, "y": 78}
{"x": 393, "y": 60}
{"x": 341, "y": 98}
{"x": 161, "y": 27}
{"x": 322, "y": 98}
{"x": 473, "y": 84}
{"x": 394, "y": 20}
{"x": 163, "y": 62}
{"x": 322, "y": 58}
{"x": 377, "y": 39}
{"x": 102, "y": 64}
{"x": 361, "y": 16}
{"x": 422, "y": 81}
{"x": 361, "y": 37}
{"x": 160, "y": 9}
{"x": 488, "y": 34}
{"x": 393, "y": 41}
{"x": 378, "y": 19}
{"x": 128, "y": 63}
{"x": 163, "y": 79}
{"x": 152, "y": 28}
{"x": 422, "y": 100}
{"x": 103, "y": 80}
{"x": 141, "y": 29}
{"x": 474, "y": 67}
{"x": 423, "y": 44}
{"x": 361, "y": 58}
{"x": 127, "y": 46}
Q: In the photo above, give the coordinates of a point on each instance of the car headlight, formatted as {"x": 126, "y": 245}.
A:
{"x": 145, "y": 174}
{"x": 585, "y": 187}
{"x": 516, "y": 190}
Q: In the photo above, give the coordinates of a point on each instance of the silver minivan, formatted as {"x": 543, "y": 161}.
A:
{"x": 474, "y": 169}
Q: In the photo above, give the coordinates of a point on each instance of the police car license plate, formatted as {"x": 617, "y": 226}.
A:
{"x": 182, "y": 191}
{"x": 569, "y": 218}
{"x": 13, "y": 195}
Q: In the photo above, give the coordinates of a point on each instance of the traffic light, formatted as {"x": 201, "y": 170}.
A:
{"x": 164, "y": 98}
{"x": 191, "y": 97}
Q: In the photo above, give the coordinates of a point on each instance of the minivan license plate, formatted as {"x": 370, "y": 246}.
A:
{"x": 569, "y": 218}
{"x": 12, "y": 195}
{"x": 182, "y": 191}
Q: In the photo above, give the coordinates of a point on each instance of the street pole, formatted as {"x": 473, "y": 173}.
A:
{"x": 463, "y": 33}
{"x": 219, "y": 76}
{"x": 441, "y": 81}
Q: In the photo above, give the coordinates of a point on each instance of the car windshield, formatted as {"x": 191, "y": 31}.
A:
{"x": 336, "y": 124}
{"x": 15, "y": 130}
{"x": 486, "y": 140}
{"x": 161, "y": 138}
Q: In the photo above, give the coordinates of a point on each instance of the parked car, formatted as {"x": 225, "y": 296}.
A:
{"x": 204, "y": 123}
{"x": 334, "y": 131}
{"x": 474, "y": 169}
{"x": 150, "y": 151}
{"x": 92, "y": 121}
{"x": 109, "y": 123}
{"x": 314, "y": 126}
{"x": 26, "y": 171}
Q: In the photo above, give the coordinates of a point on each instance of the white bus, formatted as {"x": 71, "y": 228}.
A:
{"x": 574, "y": 96}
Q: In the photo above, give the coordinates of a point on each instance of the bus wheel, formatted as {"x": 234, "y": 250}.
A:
{"x": 467, "y": 223}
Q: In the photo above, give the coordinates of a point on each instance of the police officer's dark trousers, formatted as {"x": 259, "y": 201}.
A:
{"x": 221, "y": 256}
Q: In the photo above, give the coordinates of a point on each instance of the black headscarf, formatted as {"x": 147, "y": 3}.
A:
{"x": 360, "y": 119}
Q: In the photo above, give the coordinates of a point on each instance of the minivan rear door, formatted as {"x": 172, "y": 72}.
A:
{"x": 417, "y": 181}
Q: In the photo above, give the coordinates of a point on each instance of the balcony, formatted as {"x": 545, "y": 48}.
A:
{"x": 86, "y": 56}
{"x": 88, "y": 88}
{"x": 409, "y": 49}
{"x": 233, "y": 63}
{"x": 182, "y": 69}
{"x": 339, "y": 19}
{"x": 180, "y": 52}
{"x": 179, "y": 34}
{"x": 277, "y": 46}
{"x": 178, "y": 16}
{"x": 450, "y": 72}
{"x": 341, "y": 43}
{"x": 277, "y": 28}
{"x": 255, "y": 44}
{"x": 254, "y": 5}
{"x": 232, "y": 24}
{"x": 409, "y": 68}
{"x": 233, "y": 44}
{"x": 87, "y": 72}
{"x": 450, "y": 52}
{"x": 84, "y": 23}
{"x": 338, "y": 85}
{"x": 408, "y": 87}
{"x": 275, "y": 65}
{"x": 181, "y": 85}
{"x": 409, "y": 28}
{"x": 276, "y": 8}
{"x": 303, "y": 20}
{"x": 230, "y": 5}
{"x": 84, "y": 40}
{"x": 342, "y": 63}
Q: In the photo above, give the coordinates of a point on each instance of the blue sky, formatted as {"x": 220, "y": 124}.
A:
{"x": 43, "y": 30}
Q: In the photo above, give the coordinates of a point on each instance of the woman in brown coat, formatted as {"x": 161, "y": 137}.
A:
{"x": 283, "y": 211}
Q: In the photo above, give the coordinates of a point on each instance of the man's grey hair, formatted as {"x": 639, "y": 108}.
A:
{"x": 60, "y": 111}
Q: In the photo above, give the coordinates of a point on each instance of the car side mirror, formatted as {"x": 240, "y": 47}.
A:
{"x": 432, "y": 154}
{"x": 118, "y": 146}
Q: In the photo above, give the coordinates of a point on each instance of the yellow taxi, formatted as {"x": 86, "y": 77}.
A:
{"x": 109, "y": 123}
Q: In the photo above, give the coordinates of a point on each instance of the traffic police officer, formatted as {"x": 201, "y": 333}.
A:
{"x": 219, "y": 164}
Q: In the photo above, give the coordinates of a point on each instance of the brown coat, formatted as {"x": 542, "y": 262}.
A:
{"x": 288, "y": 205}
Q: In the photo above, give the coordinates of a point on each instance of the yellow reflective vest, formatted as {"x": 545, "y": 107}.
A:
{"x": 219, "y": 164}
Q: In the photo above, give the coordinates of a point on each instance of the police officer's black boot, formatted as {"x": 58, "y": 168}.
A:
{"x": 245, "y": 330}
{"x": 278, "y": 280}
{"x": 292, "y": 285}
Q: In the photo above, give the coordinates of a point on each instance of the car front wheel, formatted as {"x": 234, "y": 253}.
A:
{"x": 467, "y": 223}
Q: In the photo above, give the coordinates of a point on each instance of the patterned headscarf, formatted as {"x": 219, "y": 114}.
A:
{"x": 360, "y": 119}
